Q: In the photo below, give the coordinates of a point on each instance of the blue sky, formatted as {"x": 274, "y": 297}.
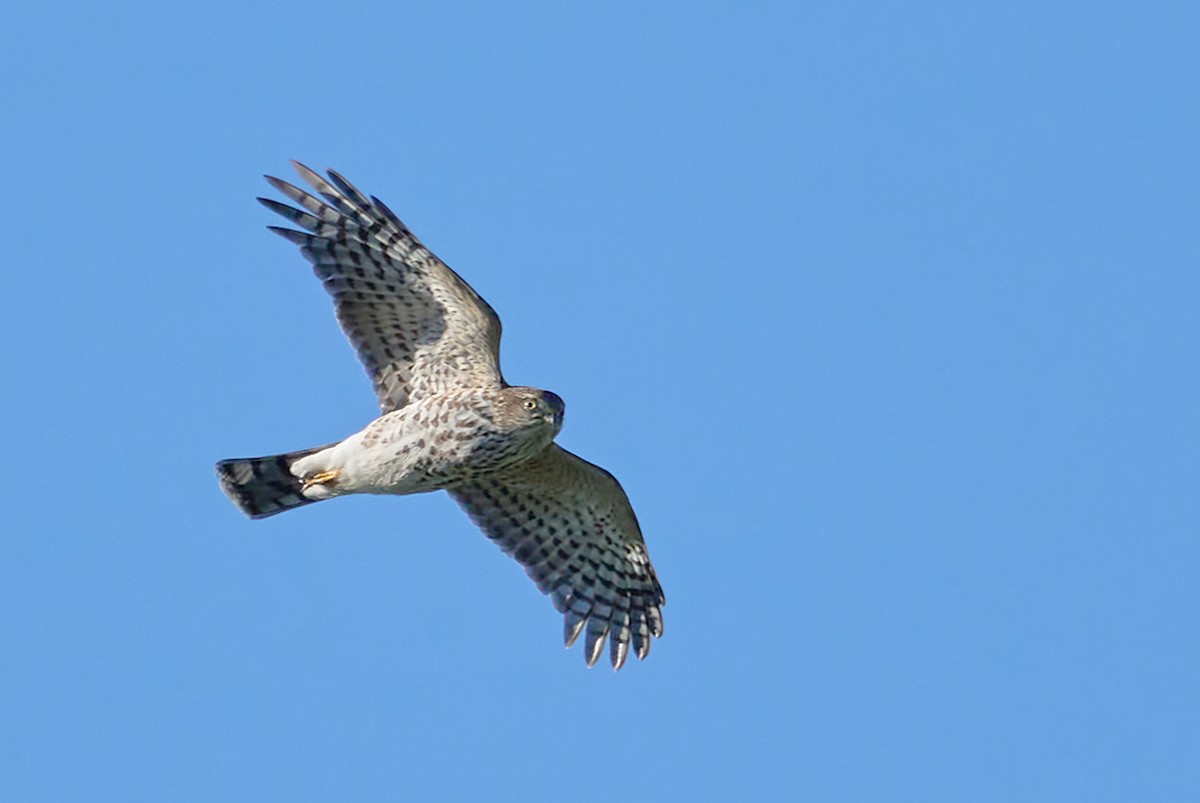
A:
{"x": 885, "y": 316}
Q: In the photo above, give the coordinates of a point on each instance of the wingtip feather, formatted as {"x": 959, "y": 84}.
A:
{"x": 291, "y": 235}
{"x": 311, "y": 176}
{"x": 572, "y": 627}
{"x": 618, "y": 652}
{"x": 597, "y": 632}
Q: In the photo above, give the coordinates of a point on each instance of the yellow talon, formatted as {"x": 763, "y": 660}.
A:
{"x": 322, "y": 478}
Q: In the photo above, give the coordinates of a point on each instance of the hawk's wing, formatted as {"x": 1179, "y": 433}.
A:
{"x": 419, "y": 329}
{"x": 570, "y": 525}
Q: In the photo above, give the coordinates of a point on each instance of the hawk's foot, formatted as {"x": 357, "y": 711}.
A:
{"x": 321, "y": 478}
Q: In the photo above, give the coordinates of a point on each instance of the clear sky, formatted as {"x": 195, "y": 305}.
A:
{"x": 886, "y": 316}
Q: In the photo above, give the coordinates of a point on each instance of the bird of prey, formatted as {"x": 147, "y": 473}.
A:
{"x": 449, "y": 421}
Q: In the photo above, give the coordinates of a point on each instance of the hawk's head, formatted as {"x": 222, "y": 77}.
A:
{"x": 534, "y": 410}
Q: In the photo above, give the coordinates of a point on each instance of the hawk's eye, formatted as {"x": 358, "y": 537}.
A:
{"x": 529, "y": 404}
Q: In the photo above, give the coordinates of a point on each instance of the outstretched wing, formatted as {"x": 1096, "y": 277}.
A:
{"x": 570, "y": 525}
{"x": 419, "y": 329}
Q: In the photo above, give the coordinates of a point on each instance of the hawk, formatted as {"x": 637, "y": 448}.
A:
{"x": 449, "y": 421}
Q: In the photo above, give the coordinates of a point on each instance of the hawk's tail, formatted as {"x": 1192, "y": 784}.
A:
{"x": 264, "y": 486}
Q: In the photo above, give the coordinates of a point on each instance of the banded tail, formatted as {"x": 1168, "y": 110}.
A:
{"x": 264, "y": 486}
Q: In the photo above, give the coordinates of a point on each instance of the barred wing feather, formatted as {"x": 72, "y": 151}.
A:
{"x": 570, "y": 524}
{"x": 418, "y": 328}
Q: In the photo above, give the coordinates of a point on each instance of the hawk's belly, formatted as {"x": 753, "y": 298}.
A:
{"x": 427, "y": 446}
